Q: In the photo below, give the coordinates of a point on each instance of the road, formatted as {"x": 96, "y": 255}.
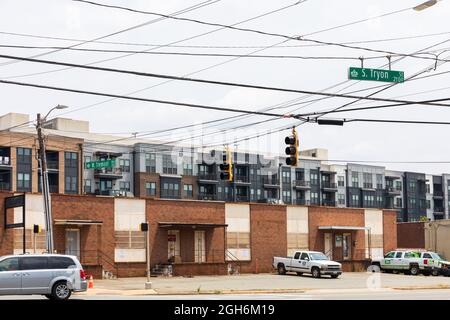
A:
{"x": 383, "y": 294}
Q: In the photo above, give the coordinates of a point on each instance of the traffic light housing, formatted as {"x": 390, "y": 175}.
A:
{"x": 37, "y": 228}
{"x": 226, "y": 167}
{"x": 292, "y": 148}
{"x": 143, "y": 226}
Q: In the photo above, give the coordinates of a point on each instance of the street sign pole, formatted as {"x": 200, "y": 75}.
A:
{"x": 148, "y": 284}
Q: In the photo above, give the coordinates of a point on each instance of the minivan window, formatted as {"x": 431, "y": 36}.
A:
{"x": 399, "y": 254}
{"x": 33, "y": 263}
{"x": 60, "y": 263}
{"x": 10, "y": 264}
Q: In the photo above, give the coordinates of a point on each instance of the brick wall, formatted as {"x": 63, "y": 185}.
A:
{"x": 6, "y": 235}
{"x": 389, "y": 230}
{"x": 268, "y": 237}
{"x": 411, "y": 235}
{"x": 140, "y": 178}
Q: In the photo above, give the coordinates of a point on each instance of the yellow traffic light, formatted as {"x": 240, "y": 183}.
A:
{"x": 227, "y": 166}
{"x": 292, "y": 149}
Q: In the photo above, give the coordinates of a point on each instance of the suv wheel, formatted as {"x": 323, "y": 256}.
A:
{"x": 315, "y": 272}
{"x": 61, "y": 291}
{"x": 414, "y": 270}
{"x": 281, "y": 269}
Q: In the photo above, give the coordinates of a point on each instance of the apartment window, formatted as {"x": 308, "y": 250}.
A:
{"x": 286, "y": 176}
{"x": 124, "y": 165}
{"x": 286, "y": 196}
{"x": 87, "y": 186}
{"x": 367, "y": 180}
{"x": 314, "y": 177}
{"x": 428, "y": 187}
{"x": 380, "y": 202}
{"x": 341, "y": 182}
{"x": 355, "y": 180}
{"x": 170, "y": 190}
{"x": 187, "y": 169}
{"x": 314, "y": 198}
{"x": 124, "y": 185}
{"x": 399, "y": 203}
{"x": 71, "y": 172}
{"x": 188, "y": 190}
{"x": 169, "y": 167}
{"x": 258, "y": 193}
{"x": 24, "y": 181}
{"x": 428, "y": 204}
{"x": 150, "y": 163}
{"x": 412, "y": 186}
{"x": 398, "y": 185}
{"x": 379, "y": 178}
{"x": 355, "y": 200}
{"x": 412, "y": 202}
{"x": 369, "y": 201}
{"x": 150, "y": 188}
{"x": 87, "y": 159}
{"x": 448, "y": 186}
{"x": 341, "y": 199}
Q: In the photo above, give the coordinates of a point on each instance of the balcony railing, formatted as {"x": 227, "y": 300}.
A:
{"x": 271, "y": 181}
{"x": 5, "y": 186}
{"x": 207, "y": 176}
{"x": 367, "y": 185}
{"x": 302, "y": 202}
{"x": 302, "y": 183}
{"x": 393, "y": 189}
{"x": 439, "y": 209}
{"x": 437, "y": 193}
{"x": 6, "y": 161}
{"x": 329, "y": 203}
{"x": 207, "y": 196}
{"x": 112, "y": 172}
{"x": 242, "y": 198}
{"x": 329, "y": 185}
{"x": 241, "y": 178}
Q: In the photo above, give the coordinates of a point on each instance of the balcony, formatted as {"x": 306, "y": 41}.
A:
{"x": 268, "y": 200}
{"x": 393, "y": 191}
{"x": 243, "y": 179}
{"x": 438, "y": 194}
{"x": 368, "y": 186}
{"x": 113, "y": 193}
{"x": 302, "y": 184}
{"x": 329, "y": 203}
{"x": 302, "y": 202}
{"x": 108, "y": 173}
{"x": 438, "y": 210}
{"x": 331, "y": 186}
{"x": 5, "y": 161}
{"x": 269, "y": 182}
{"x": 5, "y": 186}
{"x": 242, "y": 198}
{"x": 207, "y": 178}
{"x": 207, "y": 196}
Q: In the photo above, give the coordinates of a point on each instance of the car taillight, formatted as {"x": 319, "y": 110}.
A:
{"x": 82, "y": 274}
{"x": 425, "y": 261}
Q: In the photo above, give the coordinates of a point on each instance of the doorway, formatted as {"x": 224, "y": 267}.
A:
{"x": 199, "y": 246}
{"x": 73, "y": 242}
{"x": 329, "y": 245}
{"x": 347, "y": 246}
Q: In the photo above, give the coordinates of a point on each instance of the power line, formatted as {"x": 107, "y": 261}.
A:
{"x": 345, "y": 120}
{"x": 204, "y": 81}
{"x": 194, "y": 7}
{"x": 302, "y": 38}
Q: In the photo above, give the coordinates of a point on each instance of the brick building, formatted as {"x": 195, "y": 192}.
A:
{"x": 198, "y": 237}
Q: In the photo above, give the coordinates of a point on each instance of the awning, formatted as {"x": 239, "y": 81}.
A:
{"x": 343, "y": 228}
{"x": 77, "y": 222}
{"x": 190, "y": 225}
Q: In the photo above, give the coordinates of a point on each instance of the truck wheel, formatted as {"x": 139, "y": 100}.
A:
{"x": 315, "y": 272}
{"x": 435, "y": 272}
{"x": 281, "y": 269}
{"x": 60, "y": 291}
{"x": 299, "y": 273}
{"x": 414, "y": 270}
{"x": 374, "y": 268}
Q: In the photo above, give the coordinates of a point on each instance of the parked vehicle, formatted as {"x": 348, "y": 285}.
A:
{"x": 52, "y": 275}
{"x": 313, "y": 262}
{"x": 412, "y": 262}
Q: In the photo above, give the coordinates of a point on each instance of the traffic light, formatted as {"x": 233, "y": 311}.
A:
{"x": 37, "y": 228}
{"x": 226, "y": 167}
{"x": 292, "y": 149}
{"x": 143, "y": 226}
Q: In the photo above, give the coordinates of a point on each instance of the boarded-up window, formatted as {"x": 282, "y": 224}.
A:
{"x": 238, "y": 240}
{"x": 30, "y": 240}
{"x": 130, "y": 239}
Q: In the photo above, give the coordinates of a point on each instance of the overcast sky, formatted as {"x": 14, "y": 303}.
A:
{"x": 354, "y": 141}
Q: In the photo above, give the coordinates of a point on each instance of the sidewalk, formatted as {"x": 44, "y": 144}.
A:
{"x": 264, "y": 283}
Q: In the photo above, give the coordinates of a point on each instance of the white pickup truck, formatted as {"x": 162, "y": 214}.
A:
{"x": 313, "y": 262}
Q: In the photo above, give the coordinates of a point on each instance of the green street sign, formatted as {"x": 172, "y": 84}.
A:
{"x": 100, "y": 164}
{"x": 375, "y": 75}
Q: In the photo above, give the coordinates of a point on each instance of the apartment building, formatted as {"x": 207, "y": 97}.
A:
{"x": 158, "y": 169}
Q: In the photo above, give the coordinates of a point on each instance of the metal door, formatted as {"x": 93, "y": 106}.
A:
{"x": 73, "y": 242}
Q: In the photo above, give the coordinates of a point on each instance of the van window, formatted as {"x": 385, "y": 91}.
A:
{"x": 412, "y": 254}
{"x": 33, "y": 263}
{"x": 60, "y": 263}
{"x": 10, "y": 264}
{"x": 427, "y": 256}
{"x": 390, "y": 254}
{"x": 297, "y": 255}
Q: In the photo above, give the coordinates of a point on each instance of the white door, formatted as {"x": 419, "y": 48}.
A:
{"x": 199, "y": 246}
{"x": 173, "y": 238}
{"x": 73, "y": 242}
{"x": 329, "y": 245}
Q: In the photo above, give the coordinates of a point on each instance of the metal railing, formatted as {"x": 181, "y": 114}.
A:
{"x": 393, "y": 189}
{"x": 207, "y": 176}
{"x": 270, "y": 180}
{"x": 329, "y": 203}
{"x": 242, "y": 198}
{"x": 94, "y": 258}
{"x": 438, "y": 193}
{"x": 329, "y": 185}
{"x": 367, "y": 185}
{"x": 207, "y": 196}
{"x": 241, "y": 178}
{"x": 302, "y": 183}
{"x": 6, "y": 161}
{"x": 231, "y": 257}
{"x": 439, "y": 209}
{"x": 302, "y": 202}
{"x": 5, "y": 186}
{"x": 112, "y": 171}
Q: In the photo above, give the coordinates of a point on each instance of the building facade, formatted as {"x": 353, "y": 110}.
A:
{"x": 159, "y": 169}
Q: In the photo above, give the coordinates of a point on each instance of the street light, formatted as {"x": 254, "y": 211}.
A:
{"x": 44, "y": 178}
{"x": 425, "y": 5}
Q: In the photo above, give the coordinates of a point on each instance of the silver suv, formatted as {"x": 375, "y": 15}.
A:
{"x": 52, "y": 275}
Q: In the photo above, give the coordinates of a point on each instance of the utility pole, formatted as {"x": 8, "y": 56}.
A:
{"x": 45, "y": 186}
